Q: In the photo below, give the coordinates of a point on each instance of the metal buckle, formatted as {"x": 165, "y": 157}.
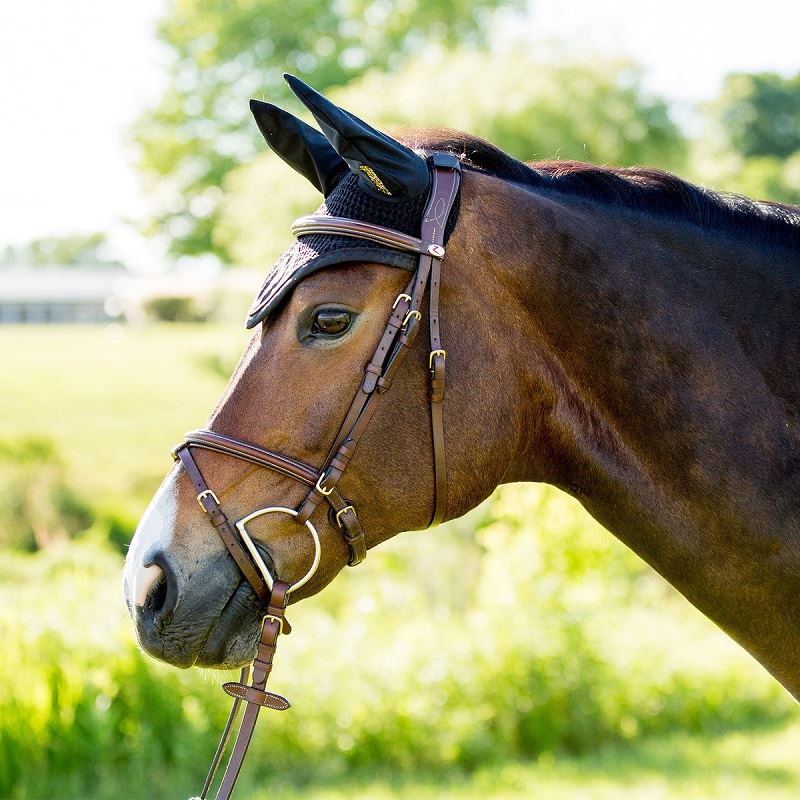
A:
{"x": 323, "y": 490}
{"x": 436, "y": 250}
{"x": 279, "y": 620}
{"x": 434, "y": 353}
{"x": 206, "y": 493}
{"x": 410, "y": 314}
{"x": 401, "y": 296}
{"x": 343, "y": 511}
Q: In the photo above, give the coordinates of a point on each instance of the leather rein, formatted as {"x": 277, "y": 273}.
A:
{"x": 393, "y": 346}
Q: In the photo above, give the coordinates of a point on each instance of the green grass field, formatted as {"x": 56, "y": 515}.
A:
{"x": 96, "y": 719}
{"x": 759, "y": 765}
{"x": 112, "y": 400}
{"x": 591, "y": 678}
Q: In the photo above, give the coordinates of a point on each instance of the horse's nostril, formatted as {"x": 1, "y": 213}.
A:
{"x": 157, "y": 596}
{"x": 143, "y": 581}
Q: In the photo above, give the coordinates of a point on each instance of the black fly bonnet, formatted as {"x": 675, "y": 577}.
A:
{"x": 356, "y": 185}
{"x": 312, "y": 252}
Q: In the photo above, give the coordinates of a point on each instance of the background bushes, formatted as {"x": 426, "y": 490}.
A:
{"x": 404, "y": 664}
{"x": 37, "y": 506}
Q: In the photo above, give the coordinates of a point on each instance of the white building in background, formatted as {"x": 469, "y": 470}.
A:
{"x": 61, "y": 294}
{"x": 86, "y": 294}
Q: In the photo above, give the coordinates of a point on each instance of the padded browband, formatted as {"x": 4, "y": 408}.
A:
{"x": 344, "y": 226}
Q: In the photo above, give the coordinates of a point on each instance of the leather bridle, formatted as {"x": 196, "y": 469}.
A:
{"x": 394, "y": 344}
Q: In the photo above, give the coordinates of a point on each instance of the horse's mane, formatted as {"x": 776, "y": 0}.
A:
{"x": 649, "y": 191}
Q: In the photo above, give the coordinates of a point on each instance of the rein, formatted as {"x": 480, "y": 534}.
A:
{"x": 393, "y": 346}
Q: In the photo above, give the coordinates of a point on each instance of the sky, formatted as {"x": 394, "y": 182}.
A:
{"x": 76, "y": 73}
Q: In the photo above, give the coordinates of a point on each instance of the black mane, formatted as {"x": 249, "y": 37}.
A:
{"x": 649, "y": 191}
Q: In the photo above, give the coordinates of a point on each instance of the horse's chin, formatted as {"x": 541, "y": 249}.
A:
{"x": 233, "y": 636}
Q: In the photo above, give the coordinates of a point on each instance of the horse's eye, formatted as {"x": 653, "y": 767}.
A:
{"x": 331, "y": 322}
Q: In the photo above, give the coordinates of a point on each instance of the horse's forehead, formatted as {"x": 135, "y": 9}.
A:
{"x": 354, "y": 282}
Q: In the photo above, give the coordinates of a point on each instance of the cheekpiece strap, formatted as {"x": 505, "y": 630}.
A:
{"x": 399, "y": 334}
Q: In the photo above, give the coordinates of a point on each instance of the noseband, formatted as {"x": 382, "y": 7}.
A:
{"x": 394, "y": 344}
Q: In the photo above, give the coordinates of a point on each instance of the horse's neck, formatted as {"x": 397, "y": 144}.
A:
{"x": 667, "y": 419}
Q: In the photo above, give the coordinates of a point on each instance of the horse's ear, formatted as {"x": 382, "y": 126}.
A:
{"x": 383, "y": 165}
{"x": 299, "y": 145}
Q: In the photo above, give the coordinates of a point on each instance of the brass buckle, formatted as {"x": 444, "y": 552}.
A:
{"x": 401, "y": 296}
{"x": 206, "y": 493}
{"x": 434, "y": 353}
{"x": 323, "y": 490}
{"x": 343, "y": 511}
{"x": 279, "y": 620}
{"x": 410, "y": 314}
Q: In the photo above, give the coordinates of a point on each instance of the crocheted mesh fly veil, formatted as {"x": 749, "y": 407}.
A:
{"x": 313, "y": 252}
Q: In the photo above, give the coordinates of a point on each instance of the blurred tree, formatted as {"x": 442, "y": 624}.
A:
{"x": 69, "y": 251}
{"x": 761, "y": 114}
{"x": 769, "y": 178}
{"x": 752, "y": 142}
{"x": 595, "y": 111}
{"x": 225, "y": 51}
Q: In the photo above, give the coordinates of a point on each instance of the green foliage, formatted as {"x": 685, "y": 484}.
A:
{"x": 224, "y": 52}
{"x": 752, "y": 144}
{"x": 592, "y": 111}
{"x": 175, "y": 308}
{"x": 406, "y": 663}
{"x": 78, "y": 250}
{"x": 90, "y": 707}
{"x": 769, "y": 178}
{"x": 760, "y": 114}
{"x": 37, "y": 506}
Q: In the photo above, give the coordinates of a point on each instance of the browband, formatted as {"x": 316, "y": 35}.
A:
{"x": 344, "y": 226}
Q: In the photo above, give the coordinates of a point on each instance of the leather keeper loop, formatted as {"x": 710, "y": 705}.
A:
{"x": 370, "y": 380}
{"x": 256, "y": 696}
{"x": 308, "y": 507}
{"x": 339, "y": 462}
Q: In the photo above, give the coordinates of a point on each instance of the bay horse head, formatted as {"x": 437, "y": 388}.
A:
{"x": 340, "y": 300}
{"x": 618, "y": 333}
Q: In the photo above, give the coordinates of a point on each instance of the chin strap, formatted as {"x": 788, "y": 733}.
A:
{"x": 253, "y": 693}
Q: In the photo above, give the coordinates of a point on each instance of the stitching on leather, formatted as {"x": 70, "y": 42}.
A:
{"x": 218, "y": 448}
{"x": 267, "y": 700}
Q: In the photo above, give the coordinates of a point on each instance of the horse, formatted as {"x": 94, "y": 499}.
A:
{"x": 619, "y": 333}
